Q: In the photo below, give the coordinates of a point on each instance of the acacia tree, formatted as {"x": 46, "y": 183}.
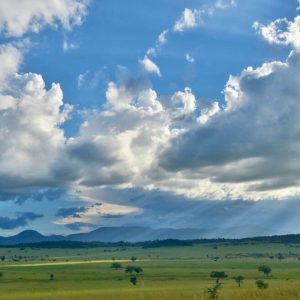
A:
{"x": 265, "y": 269}
{"x": 239, "y": 279}
{"x": 217, "y": 275}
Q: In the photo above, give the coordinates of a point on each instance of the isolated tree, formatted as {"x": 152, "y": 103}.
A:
{"x": 133, "y": 258}
{"x": 239, "y": 279}
{"x": 217, "y": 275}
{"x": 133, "y": 280}
{"x": 1, "y": 275}
{"x": 280, "y": 256}
{"x": 134, "y": 271}
{"x": 213, "y": 293}
{"x": 138, "y": 270}
{"x": 2, "y": 258}
{"x": 51, "y": 276}
{"x": 261, "y": 284}
{"x": 116, "y": 266}
{"x": 265, "y": 269}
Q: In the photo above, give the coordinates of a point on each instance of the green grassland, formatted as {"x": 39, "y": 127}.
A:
{"x": 169, "y": 273}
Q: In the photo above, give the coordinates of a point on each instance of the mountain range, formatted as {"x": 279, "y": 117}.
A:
{"x": 138, "y": 234}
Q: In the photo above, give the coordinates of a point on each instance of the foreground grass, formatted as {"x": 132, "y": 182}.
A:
{"x": 169, "y": 273}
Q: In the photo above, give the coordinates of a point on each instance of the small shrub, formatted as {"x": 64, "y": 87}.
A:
{"x": 116, "y": 266}
{"x": 265, "y": 269}
{"x": 133, "y": 280}
{"x": 261, "y": 284}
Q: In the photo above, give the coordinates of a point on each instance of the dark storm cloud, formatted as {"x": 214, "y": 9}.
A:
{"x": 71, "y": 212}
{"x": 22, "y": 220}
{"x": 91, "y": 152}
{"x": 19, "y": 196}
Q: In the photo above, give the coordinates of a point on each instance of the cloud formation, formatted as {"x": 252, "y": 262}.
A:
{"x": 88, "y": 217}
{"x": 20, "y": 221}
{"x": 254, "y": 140}
{"x": 30, "y": 117}
{"x": 281, "y": 32}
{"x": 189, "y": 19}
{"x": 222, "y": 4}
{"x": 19, "y": 17}
{"x": 149, "y": 66}
{"x": 247, "y": 148}
{"x": 141, "y": 140}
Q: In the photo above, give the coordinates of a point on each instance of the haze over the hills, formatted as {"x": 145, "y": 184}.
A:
{"x": 137, "y": 234}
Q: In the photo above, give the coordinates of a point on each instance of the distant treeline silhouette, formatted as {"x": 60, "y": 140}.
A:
{"x": 281, "y": 239}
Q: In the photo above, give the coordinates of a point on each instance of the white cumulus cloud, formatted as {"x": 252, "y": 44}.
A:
{"x": 281, "y": 32}
{"x": 189, "y": 19}
{"x": 149, "y": 66}
{"x": 19, "y": 17}
{"x": 30, "y": 137}
{"x": 189, "y": 58}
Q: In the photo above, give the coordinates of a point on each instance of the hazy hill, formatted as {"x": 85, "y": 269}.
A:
{"x": 137, "y": 234}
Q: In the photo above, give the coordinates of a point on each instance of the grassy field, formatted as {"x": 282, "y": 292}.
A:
{"x": 172, "y": 273}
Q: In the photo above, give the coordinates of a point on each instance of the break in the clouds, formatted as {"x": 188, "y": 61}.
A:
{"x": 176, "y": 142}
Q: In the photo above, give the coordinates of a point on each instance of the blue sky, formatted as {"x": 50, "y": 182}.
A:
{"x": 119, "y": 33}
{"x": 205, "y": 114}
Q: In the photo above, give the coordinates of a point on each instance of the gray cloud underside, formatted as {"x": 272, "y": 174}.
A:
{"x": 21, "y": 221}
{"x": 257, "y": 140}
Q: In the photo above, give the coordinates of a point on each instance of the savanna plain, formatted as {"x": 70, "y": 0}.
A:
{"x": 135, "y": 272}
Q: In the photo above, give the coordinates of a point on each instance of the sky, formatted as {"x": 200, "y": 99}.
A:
{"x": 149, "y": 113}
